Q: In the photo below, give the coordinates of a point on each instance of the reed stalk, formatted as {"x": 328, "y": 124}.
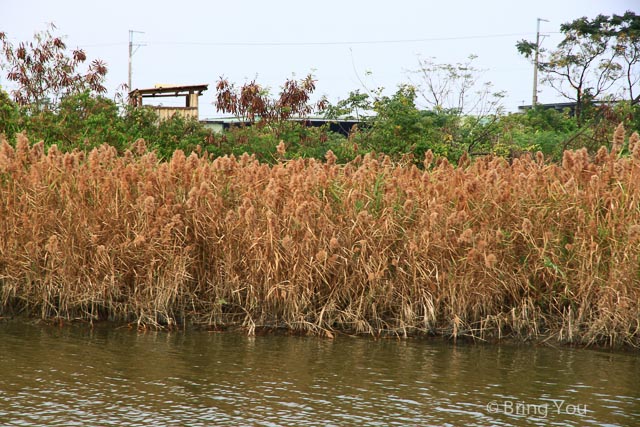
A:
{"x": 486, "y": 249}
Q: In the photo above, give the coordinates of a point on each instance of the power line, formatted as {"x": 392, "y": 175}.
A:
{"x": 321, "y": 43}
{"x": 353, "y": 42}
{"x": 102, "y": 44}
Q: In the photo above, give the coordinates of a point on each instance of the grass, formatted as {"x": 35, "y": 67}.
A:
{"x": 487, "y": 248}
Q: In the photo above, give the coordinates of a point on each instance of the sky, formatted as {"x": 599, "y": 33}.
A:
{"x": 347, "y": 45}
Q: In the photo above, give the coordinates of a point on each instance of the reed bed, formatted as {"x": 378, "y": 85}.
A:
{"x": 485, "y": 248}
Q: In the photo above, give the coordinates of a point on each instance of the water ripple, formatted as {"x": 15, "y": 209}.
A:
{"x": 74, "y": 377}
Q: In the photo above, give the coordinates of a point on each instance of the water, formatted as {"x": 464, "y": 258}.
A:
{"x": 75, "y": 376}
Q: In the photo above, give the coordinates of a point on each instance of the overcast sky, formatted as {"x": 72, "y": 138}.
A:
{"x": 347, "y": 45}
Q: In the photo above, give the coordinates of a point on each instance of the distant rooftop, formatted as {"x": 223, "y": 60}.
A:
{"x": 339, "y": 125}
{"x": 561, "y": 106}
{"x": 168, "y": 90}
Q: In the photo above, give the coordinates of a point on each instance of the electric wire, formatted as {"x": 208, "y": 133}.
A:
{"x": 320, "y": 43}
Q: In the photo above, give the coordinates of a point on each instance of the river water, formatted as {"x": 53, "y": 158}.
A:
{"x": 73, "y": 375}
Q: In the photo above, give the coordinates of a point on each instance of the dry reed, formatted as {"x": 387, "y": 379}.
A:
{"x": 486, "y": 249}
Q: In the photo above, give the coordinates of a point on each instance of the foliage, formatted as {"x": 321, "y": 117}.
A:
{"x": 84, "y": 121}
{"x": 45, "y": 72}
{"x": 79, "y": 121}
{"x": 538, "y": 129}
{"x": 252, "y": 102}
{"x": 627, "y": 47}
{"x": 165, "y": 136}
{"x": 593, "y": 56}
{"x": 299, "y": 140}
{"x": 396, "y": 126}
{"x": 265, "y": 122}
{"x": 456, "y": 88}
{"x": 356, "y": 106}
{"x": 9, "y": 114}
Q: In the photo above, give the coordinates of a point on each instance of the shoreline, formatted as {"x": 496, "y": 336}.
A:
{"x": 544, "y": 340}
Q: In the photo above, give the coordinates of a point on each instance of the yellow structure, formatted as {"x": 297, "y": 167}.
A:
{"x": 191, "y": 94}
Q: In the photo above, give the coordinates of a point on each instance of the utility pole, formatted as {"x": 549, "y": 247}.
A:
{"x": 131, "y": 52}
{"x": 534, "y": 101}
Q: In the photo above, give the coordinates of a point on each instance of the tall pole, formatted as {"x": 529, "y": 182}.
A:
{"x": 131, "y": 52}
{"x": 131, "y": 57}
{"x": 534, "y": 101}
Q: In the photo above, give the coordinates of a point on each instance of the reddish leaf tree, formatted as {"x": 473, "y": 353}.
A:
{"x": 252, "y": 102}
{"x": 44, "y": 71}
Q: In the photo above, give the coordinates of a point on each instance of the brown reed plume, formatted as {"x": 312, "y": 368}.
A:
{"x": 486, "y": 249}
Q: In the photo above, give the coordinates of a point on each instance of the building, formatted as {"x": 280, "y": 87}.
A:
{"x": 570, "y": 107}
{"x": 190, "y": 94}
{"x": 341, "y": 126}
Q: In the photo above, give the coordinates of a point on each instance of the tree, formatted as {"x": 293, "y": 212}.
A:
{"x": 356, "y": 106}
{"x": 456, "y": 88}
{"x": 627, "y": 47}
{"x": 253, "y": 103}
{"x": 45, "y": 72}
{"x": 592, "y": 57}
{"x": 458, "y": 113}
